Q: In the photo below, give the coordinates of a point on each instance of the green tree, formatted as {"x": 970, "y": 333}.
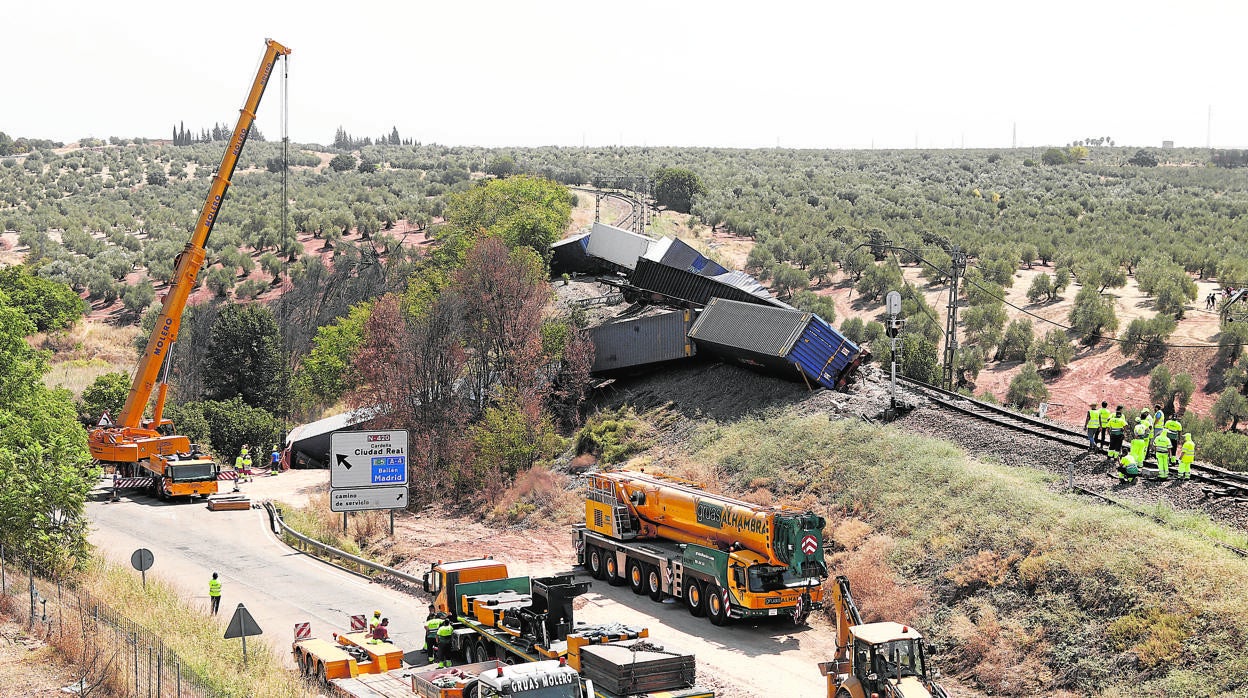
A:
{"x": 1055, "y": 347}
{"x": 1101, "y": 274}
{"x": 48, "y": 304}
{"x": 224, "y": 426}
{"x": 1054, "y": 156}
{"x": 1092, "y": 316}
{"x": 244, "y": 358}
{"x": 137, "y": 298}
{"x": 508, "y": 439}
{"x": 107, "y": 393}
{"x": 1041, "y": 288}
{"x": 325, "y": 374}
{"x": 916, "y": 358}
{"x": 1016, "y": 344}
{"x": 984, "y": 324}
{"x": 45, "y": 468}
{"x": 1172, "y": 392}
{"x": 521, "y": 211}
{"x": 1146, "y": 338}
{"x": 787, "y": 279}
{"x": 1143, "y": 158}
{"x": 675, "y": 188}
{"x": 342, "y": 162}
{"x": 1027, "y": 388}
{"x": 501, "y": 166}
{"x": 856, "y": 263}
{"x": 823, "y": 306}
{"x": 879, "y": 279}
{"x": 854, "y": 330}
{"x": 1230, "y": 407}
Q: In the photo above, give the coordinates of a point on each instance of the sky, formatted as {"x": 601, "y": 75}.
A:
{"x": 827, "y": 74}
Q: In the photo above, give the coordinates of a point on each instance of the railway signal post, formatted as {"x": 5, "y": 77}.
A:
{"x": 892, "y": 303}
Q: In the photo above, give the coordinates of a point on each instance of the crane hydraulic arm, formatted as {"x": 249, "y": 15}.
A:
{"x": 132, "y": 439}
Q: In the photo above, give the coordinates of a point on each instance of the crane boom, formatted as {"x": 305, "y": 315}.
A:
{"x": 132, "y": 440}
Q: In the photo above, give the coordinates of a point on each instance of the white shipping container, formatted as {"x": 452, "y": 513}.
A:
{"x": 616, "y": 245}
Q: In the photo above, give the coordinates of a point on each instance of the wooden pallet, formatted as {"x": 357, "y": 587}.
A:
{"x": 229, "y": 503}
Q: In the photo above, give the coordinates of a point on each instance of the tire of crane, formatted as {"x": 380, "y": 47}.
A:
{"x": 612, "y": 570}
{"x": 472, "y": 689}
{"x": 594, "y": 557}
{"x": 636, "y": 576}
{"x": 716, "y": 610}
{"x": 654, "y": 583}
{"x": 693, "y": 598}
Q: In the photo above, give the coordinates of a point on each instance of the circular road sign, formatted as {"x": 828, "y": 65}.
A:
{"x": 142, "y": 559}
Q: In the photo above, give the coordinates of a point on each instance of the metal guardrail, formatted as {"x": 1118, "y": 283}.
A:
{"x": 329, "y": 552}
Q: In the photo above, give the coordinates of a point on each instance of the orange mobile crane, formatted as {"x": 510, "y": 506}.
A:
{"x": 148, "y": 447}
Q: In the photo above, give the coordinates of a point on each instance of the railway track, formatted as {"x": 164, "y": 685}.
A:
{"x": 1215, "y": 482}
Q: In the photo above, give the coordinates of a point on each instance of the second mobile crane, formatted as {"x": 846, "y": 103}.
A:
{"x": 148, "y": 447}
{"x": 726, "y": 558}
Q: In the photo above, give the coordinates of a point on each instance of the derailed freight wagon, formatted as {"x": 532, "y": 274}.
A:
{"x": 655, "y": 282}
{"x": 789, "y": 343}
{"x": 642, "y": 341}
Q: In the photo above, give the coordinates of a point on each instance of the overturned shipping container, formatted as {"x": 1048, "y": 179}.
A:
{"x": 641, "y": 341}
{"x": 616, "y": 245}
{"x": 654, "y": 282}
{"x": 790, "y": 343}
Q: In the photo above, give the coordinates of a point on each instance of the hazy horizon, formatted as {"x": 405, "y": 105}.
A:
{"x": 825, "y": 75}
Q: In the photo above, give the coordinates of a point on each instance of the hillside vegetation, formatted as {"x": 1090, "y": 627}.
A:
{"x": 1026, "y": 590}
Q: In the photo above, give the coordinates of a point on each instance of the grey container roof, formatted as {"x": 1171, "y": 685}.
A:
{"x": 763, "y": 329}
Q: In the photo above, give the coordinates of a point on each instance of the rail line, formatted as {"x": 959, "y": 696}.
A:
{"x": 1215, "y": 482}
{"x": 1233, "y": 483}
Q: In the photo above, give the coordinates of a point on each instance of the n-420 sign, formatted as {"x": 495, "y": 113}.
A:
{"x": 368, "y": 459}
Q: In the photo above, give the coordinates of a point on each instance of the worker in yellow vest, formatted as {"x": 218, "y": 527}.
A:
{"x": 1139, "y": 444}
{"x": 1103, "y": 438}
{"x": 1128, "y": 469}
{"x": 1173, "y": 429}
{"x": 374, "y": 622}
{"x": 445, "y": 631}
{"x": 214, "y": 593}
{"x": 1117, "y": 427}
{"x": 1162, "y": 444}
{"x": 1093, "y": 426}
{"x": 1185, "y": 461}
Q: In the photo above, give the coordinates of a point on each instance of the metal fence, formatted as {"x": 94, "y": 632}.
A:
{"x": 109, "y": 652}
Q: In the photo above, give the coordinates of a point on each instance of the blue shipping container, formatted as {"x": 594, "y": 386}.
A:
{"x": 790, "y": 343}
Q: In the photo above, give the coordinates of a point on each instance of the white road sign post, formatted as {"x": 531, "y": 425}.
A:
{"x": 368, "y": 470}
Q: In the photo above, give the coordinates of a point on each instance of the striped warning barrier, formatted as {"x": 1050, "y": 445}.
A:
{"x": 358, "y": 623}
{"x": 128, "y": 482}
{"x": 303, "y": 631}
{"x": 227, "y": 475}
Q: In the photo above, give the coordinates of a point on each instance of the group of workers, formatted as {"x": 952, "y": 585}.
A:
{"x": 242, "y": 463}
{"x": 438, "y": 632}
{"x": 1153, "y": 434}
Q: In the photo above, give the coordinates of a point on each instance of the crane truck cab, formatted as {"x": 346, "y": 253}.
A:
{"x": 442, "y": 579}
{"x": 876, "y": 660}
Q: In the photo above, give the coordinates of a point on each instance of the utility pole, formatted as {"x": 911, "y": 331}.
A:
{"x": 957, "y": 265}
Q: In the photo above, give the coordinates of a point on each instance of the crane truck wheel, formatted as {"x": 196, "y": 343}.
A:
{"x": 693, "y": 599}
{"x": 470, "y": 654}
{"x": 654, "y": 583}
{"x": 483, "y": 653}
{"x": 716, "y": 610}
{"x": 594, "y": 555}
{"x": 613, "y": 570}
{"x": 636, "y": 577}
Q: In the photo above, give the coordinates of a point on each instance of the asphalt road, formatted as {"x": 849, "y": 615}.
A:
{"x": 281, "y": 587}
